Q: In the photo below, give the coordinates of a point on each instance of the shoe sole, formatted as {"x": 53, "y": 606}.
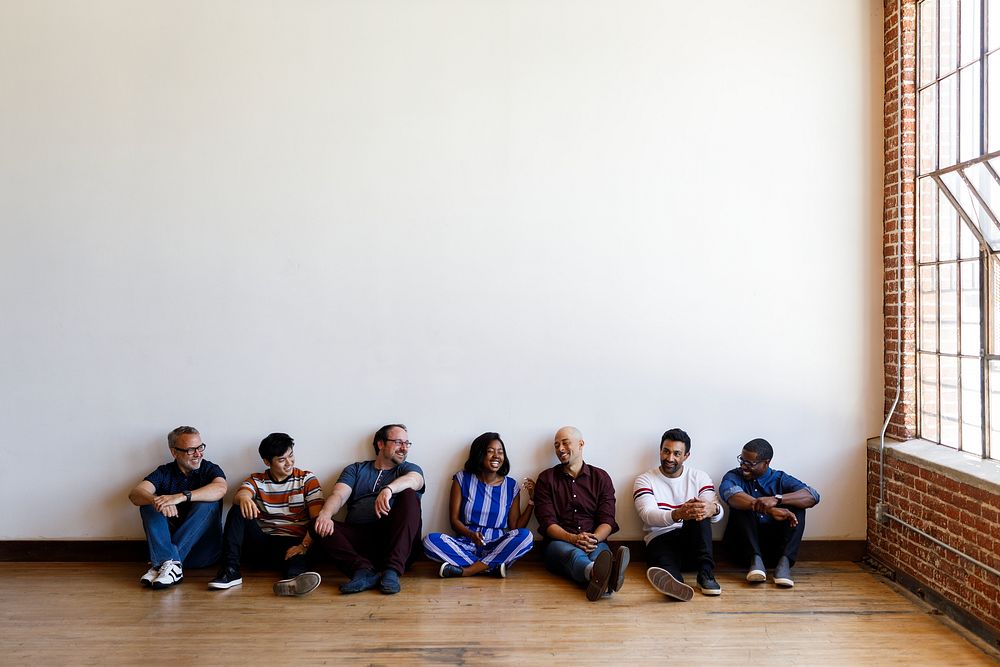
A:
{"x": 303, "y": 584}
{"x": 783, "y": 582}
{"x": 756, "y": 576}
{"x": 710, "y": 591}
{"x": 157, "y": 586}
{"x": 599, "y": 576}
{"x": 619, "y": 565}
{"x": 220, "y": 586}
{"x": 665, "y": 583}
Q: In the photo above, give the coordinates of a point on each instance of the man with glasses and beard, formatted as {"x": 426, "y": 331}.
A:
{"x": 767, "y": 513}
{"x": 180, "y": 504}
{"x": 375, "y": 541}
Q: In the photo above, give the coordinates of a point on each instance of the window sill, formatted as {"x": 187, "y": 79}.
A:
{"x": 966, "y": 468}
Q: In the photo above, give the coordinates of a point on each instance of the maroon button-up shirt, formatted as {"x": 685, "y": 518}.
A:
{"x": 576, "y": 505}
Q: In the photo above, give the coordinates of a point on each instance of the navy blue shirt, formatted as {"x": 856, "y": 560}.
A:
{"x": 168, "y": 478}
{"x": 770, "y": 483}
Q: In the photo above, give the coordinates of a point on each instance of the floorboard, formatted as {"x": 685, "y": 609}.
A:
{"x": 837, "y": 614}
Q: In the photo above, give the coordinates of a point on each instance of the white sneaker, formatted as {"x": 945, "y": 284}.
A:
{"x": 170, "y": 573}
{"x": 147, "y": 579}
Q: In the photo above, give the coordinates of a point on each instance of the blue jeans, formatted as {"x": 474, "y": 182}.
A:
{"x": 565, "y": 559}
{"x": 195, "y": 540}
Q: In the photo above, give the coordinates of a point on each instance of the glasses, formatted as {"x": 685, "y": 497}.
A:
{"x": 749, "y": 464}
{"x": 400, "y": 443}
{"x": 191, "y": 451}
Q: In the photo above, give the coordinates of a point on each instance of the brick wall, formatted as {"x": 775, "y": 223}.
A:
{"x": 900, "y": 47}
{"x": 962, "y": 515}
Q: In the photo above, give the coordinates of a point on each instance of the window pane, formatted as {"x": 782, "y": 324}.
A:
{"x": 949, "y": 401}
{"x": 994, "y": 409}
{"x": 995, "y": 321}
{"x": 972, "y": 416}
{"x": 993, "y": 99}
{"x": 968, "y": 243}
{"x": 969, "y": 125}
{"x": 929, "y": 397}
{"x": 971, "y": 205}
{"x": 948, "y": 122}
{"x": 928, "y": 220}
{"x": 928, "y": 129}
{"x": 928, "y": 41}
{"x": 928, "y": 309}
{"x": 948, "y": 16}
{"x": 948, "y": 220}
{"x": 993, "y": 23}
{"x": 970, "y": 308}
{"x": 971, "y": 26}
{"x": 948, "y": 308}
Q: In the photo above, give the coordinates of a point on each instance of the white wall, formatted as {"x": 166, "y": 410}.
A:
{"x": 318, "y": 217}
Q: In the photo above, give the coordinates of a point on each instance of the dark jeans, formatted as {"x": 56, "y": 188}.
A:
{"x": 244, "y": 541}
{"x": 689, "y": 546}
{"x": 746, "y": 536}
{"x": 391, "y": 542}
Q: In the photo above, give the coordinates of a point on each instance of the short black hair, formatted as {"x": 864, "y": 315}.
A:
{"x": 383, "y": 433}
{"x": 477, "y": 452}
{"x": 275, "y": 444}
{"x": 677, "y": 435}
{"x": 760, "y": 447}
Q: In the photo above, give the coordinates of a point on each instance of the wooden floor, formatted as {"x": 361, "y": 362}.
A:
{"x": 837, "y": 614}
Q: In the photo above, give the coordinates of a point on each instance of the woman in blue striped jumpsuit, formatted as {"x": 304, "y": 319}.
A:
{"x": 486, "y": 514}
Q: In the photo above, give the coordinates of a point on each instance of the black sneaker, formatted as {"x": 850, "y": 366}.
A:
{"x": 708, "y": 584}
{"x": 227, "y": 577}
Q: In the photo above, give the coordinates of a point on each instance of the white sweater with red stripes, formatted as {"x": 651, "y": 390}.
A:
{"x": 657, "y": 495}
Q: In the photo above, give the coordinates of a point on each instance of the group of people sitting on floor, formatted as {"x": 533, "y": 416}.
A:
{"x": 278, "y": 515}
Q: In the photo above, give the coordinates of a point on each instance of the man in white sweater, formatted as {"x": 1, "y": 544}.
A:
{"x": 677, "y": 505}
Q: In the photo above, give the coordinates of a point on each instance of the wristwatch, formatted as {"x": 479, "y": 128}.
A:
{"x": 187, "y": 495}
{"x": 777, "y": 497}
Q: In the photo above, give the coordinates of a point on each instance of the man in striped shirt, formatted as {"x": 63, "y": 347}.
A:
{"x": 269, "y": 521}
{"x": 677, "y": 505}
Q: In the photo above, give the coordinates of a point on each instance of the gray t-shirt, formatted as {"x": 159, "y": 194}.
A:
{"x": 366, "y": 481}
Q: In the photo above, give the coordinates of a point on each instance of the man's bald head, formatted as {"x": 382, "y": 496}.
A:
{"x": 569, "y": 432}
{"x": 568, "y": 445}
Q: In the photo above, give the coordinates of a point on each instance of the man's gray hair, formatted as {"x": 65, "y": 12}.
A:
{"x": 179, "y": 431}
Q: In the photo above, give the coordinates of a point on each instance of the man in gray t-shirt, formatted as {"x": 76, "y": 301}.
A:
{"x": 383, "y": 515}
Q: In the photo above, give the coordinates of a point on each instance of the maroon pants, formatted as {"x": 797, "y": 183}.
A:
{"x": 380, "y": 545}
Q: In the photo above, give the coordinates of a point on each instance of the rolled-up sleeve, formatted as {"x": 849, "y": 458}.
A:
{"x": 789, "y": 484}
{"x": 730, "y": 485}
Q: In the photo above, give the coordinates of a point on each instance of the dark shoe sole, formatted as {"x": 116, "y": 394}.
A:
{"x": 303, "y": 584}
{"x": 157, "y": 586}
{"x": 619, "y": 565}
{"x": 599, "y": 576}
{"x": 665, "y": 583}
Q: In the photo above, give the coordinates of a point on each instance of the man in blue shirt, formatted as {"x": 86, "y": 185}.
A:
{"x": 180, "y": 504}
{"x": 377, "y": 539}
{"x": 768, "y": 513}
